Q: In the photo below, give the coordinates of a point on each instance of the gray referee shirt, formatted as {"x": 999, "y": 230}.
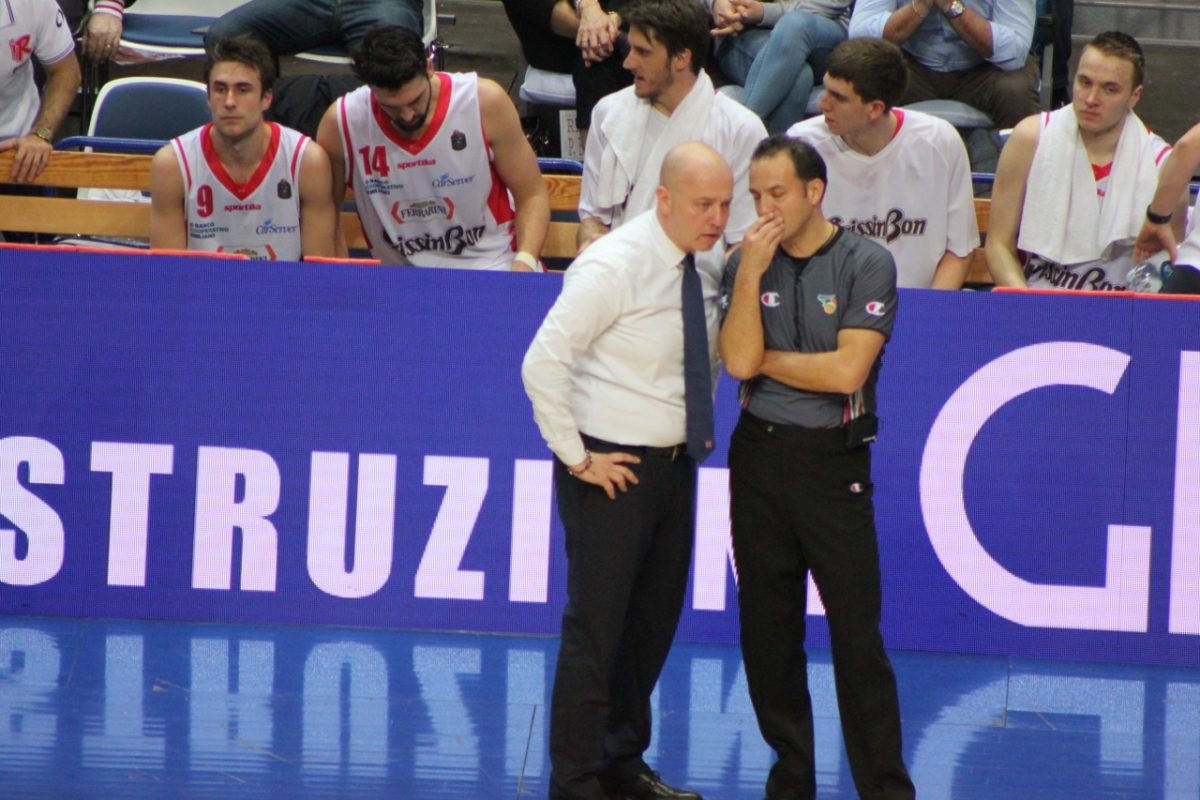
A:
{"x": 848, "y": 283}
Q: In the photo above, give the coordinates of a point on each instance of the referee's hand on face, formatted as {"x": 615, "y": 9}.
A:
{"x": 608, "y": 471}
{"x": 760, "y": 242}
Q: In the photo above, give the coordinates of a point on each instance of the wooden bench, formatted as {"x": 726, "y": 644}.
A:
{"x": 70, "y": 216}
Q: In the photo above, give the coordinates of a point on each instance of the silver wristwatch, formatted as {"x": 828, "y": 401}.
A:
{"x": 955, "y": 10}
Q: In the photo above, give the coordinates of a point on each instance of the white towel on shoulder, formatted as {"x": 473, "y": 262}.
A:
{"x": 625, "y": 131}
{"x": 1063, "y": 220}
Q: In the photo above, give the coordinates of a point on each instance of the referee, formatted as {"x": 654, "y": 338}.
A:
{"x": 620, "y": 376}
{"x": 808, "y": 309}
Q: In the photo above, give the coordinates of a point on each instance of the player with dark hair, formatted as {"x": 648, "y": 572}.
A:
{"x": 897, "y": 176}
{"x": 242, "y": 184}
{"x": 442, "y": 173}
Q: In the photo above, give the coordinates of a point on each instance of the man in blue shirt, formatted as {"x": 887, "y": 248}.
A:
{"x": 974, "y": 51}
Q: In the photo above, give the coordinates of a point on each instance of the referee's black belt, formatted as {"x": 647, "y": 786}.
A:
{"x": 794, "y": 433}
{"x": 646, "y": 451}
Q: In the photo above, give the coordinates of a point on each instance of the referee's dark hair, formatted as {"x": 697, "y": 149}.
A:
{"x": 243, "y": 49}
{"x": 806, "y": 161}
{"x": 677, "y": 24}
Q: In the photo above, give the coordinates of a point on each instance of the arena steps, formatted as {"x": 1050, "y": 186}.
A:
{"x": 1166, "y": 22}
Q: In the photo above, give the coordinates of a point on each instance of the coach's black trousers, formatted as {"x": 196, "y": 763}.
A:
{"x": 627, "y": 571}
{"x": 800, "y": 502}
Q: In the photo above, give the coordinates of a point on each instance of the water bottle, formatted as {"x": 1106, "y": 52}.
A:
{"x": 1149, "y": 276}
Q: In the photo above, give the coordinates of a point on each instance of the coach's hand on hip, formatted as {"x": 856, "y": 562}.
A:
{"x": 607, "y": 470}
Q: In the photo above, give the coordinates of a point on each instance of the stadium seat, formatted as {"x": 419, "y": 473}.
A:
{"x": 546, "y": 88}
{"x": 146, "y": 109}
{"x": 149, "y": 108}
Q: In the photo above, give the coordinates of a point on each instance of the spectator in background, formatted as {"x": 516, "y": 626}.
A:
{"x": 443, "y": 175}
{"x": 671, "y": 101}
{"x": 100, "y": 33}
{"x": 34, "y": 29}
{"x": 581, "y": 38}
{"x": 1073, "y": 185}
{"x": 974, "y": 51}
{"x": 293, "y": 26}
{"x": 241, "y": 184}
{"x": 777, "y": 51}
{"x": 896, "y": 176}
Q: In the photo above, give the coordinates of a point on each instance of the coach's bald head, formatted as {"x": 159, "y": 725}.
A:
{"x": 694, "y": 194}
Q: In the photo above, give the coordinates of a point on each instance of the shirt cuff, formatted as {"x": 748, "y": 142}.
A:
{"x": 569, "y": 451}
{"x": 772, "y": 13}
{"x": 114, "y": 8}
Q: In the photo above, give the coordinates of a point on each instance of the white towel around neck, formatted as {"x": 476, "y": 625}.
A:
{"x": 1062, "y": 219}
{"x": 619, "y": 186}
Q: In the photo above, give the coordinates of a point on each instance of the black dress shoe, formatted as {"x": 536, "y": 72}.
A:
{"x": 645, "y": 786}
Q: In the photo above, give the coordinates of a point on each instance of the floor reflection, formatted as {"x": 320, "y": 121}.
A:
{"x": 142, "y": 709}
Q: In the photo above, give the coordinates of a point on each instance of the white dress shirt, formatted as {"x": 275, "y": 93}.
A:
{"x": 608, "y": 359}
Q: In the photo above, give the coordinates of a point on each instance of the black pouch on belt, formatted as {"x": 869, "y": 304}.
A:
{"x": 861, "y": 430}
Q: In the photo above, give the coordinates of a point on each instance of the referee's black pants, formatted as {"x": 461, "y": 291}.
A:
{"x": 799, "y": 502}
{"x": 627, "y": 571}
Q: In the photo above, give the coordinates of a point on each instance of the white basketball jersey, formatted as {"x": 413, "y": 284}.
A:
{"x": 914, "y": 196}
{"x": 435, "y": 201}
{"x": 259, "y": 218}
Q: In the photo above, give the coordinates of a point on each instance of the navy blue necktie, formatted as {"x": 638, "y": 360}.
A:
{"x": 697, "y": 368}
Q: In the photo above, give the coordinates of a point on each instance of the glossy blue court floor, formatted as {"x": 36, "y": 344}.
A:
{"x": 126, "y": 709}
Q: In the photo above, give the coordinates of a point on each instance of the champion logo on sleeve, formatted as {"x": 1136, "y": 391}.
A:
{"x": 875, "y": 308}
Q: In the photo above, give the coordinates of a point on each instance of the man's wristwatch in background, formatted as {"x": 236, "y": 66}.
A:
{"x": 955, "y": 10}
{"x": 44, "y": 134}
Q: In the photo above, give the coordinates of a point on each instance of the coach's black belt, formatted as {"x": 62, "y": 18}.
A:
{"x": 646, "y": 451}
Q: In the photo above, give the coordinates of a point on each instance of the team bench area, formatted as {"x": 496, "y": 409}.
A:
{"x": 69, "y": 216}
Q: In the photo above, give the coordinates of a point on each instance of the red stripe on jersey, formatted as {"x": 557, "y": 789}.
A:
{"x": 498, "y": 204}
{"x": 1101, "y": 171}
{"x": 239, "y": 190}
{"x": 296, "y": 156}
{"x": 1162, "y": 155}
{"x": 348, "y": 155}
{"x": 498, "y": 198}
{"x": 899, "y": 112}
{"x": 414, "y": 146}
{"x": 187, "y": 170}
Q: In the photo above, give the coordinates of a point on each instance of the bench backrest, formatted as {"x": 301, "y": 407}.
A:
{"x": 69, "y": 216}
